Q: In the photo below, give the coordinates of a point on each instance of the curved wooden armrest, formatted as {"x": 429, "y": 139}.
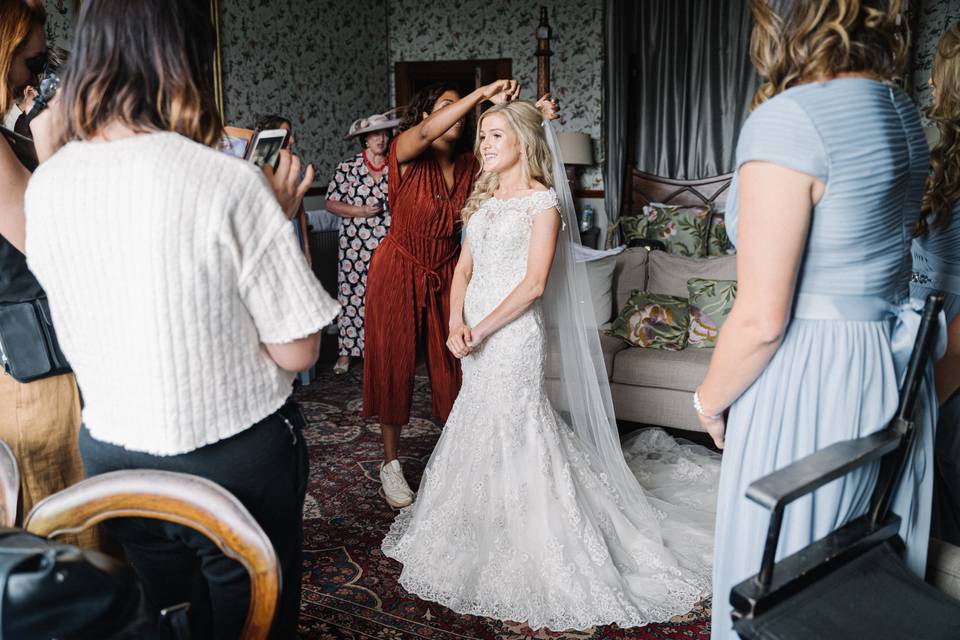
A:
{"x": 9, "y": 486}
{"x": 184, "y": 499}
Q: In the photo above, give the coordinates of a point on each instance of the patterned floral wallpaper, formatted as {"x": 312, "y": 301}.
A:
{"x": 935, "y": 17}
{"x": 323, "y": 63}
{"x": 463, "y": 29}
{"x": 59, "y": 22}
{"x": 320, "y": 63}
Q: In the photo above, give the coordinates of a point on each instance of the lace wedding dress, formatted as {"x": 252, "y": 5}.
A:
{"x": 514, "y": 520}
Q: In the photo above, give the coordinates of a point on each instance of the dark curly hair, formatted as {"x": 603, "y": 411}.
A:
{"x": 423, "y": 102}
{"x": 271, "y": 121}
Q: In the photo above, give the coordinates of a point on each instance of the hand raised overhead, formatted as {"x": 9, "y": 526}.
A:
{"x": 502, "y": 91}
{"x": 548, "y": 107}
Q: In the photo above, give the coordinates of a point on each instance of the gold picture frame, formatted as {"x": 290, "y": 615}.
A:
{"x": 217, "y": 58}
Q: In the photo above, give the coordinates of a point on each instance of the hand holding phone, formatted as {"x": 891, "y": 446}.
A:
{"x": 266, "y": 147}
{"x": 286, "y": 182}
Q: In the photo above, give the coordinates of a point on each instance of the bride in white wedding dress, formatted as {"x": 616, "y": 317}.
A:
{"x": 527, "y": 510}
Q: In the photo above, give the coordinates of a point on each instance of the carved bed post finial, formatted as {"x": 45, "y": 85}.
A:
{"x": 543, "y": 54}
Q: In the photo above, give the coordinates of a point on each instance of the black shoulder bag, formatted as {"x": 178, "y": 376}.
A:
{"x": 51, "y": 590}
{"x": 28, "y": 344}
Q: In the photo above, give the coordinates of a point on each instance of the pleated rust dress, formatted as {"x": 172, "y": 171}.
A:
{"x": 408, "y": 288}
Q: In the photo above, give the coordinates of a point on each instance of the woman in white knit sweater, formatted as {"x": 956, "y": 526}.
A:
{"x": 181, "y": 296}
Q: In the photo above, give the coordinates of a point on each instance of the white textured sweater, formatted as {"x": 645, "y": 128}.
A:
{"x": 167, "y": 264}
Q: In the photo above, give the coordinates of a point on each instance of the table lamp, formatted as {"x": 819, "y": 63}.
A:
{"x": 576, "y": 149}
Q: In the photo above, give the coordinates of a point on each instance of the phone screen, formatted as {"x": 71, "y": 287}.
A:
{"x": 267, "y": 150}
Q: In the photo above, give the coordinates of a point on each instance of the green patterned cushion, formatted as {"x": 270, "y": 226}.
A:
{"x": 710, "y": 304}
{"x": 682, "y": 229}
{"x": 718, "y": 243}
{"x": 633, "y": 228}
{"x": 653, "y": 320}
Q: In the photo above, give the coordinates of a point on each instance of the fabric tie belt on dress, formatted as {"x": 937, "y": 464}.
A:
{"x": 431, "y": 280}
{"x": 906, "y": 317}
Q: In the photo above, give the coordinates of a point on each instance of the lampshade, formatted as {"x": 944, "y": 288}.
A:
{"x": 575, "y": 147}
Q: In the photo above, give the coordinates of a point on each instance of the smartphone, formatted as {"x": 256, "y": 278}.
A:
{"x": 266, "y": 146}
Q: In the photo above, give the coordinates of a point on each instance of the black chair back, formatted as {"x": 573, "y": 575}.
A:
{"x": 834, "y": 587}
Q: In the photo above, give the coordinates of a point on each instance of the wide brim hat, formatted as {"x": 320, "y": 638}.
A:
{"x": 376, "y": 122}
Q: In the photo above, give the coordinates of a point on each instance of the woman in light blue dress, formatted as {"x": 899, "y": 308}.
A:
{"x": 936, "y": 267}
{"x": 830, "y": 174}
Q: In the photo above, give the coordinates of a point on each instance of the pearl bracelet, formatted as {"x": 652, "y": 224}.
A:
{"x": 699, "y": 407}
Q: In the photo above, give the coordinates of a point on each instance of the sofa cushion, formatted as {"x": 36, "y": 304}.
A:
{"x": 718, "y": 242}
{"x": 600, "y": 281}
{"x": 710, "y": 304}
{"x": 653, "y": 321}
{"x": 633, "y": 228}
{"x": 609, "y": 345}
{"x": 668, "y": 273}
{"x": 678, "y": 370}
{"x": 629, "y": 275}
{"x": 649, "y": 405}
{"x": 682, "y": 229}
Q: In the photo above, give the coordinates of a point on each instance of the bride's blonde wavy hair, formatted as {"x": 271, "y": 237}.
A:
{"x": 943, "y": 185}
{"x": 796, "y": 41}
{"x": 536, "y": 160}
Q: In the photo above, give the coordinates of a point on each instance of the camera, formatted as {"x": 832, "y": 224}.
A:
{"x": 47, "y": 69}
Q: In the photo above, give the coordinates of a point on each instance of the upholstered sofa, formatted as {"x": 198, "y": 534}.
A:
{"x": 654, "y": 386}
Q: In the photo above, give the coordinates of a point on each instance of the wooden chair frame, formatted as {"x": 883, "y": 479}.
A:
{"x": 183, "y": 499}
{"x": 9, "y": 486}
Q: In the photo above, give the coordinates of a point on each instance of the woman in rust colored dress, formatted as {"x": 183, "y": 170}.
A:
{"x": 408, "y": 286}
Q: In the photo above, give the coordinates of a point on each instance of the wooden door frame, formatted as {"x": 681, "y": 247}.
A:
{"x": 407, "y": 74}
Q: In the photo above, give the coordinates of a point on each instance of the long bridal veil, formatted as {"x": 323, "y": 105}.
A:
{"x": 669, "y": 486}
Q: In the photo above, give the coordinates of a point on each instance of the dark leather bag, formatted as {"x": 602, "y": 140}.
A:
{"x": 50, "y": 590}
{"x": 28, "y": 344}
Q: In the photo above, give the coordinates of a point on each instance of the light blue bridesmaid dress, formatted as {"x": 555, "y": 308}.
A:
{"x": 936, "y": 267}
{"x": 835, "y": 377}
{"x": 936, "y": 264}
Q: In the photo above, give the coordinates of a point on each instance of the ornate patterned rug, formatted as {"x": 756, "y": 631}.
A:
{"x": 350, "y": 589}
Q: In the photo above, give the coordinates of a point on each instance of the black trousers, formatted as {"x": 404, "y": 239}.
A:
{"x": 266, "y": 468}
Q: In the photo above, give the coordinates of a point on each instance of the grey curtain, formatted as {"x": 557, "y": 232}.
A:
{"x": 692, "y": 86}
{"x": 616, "y": 93}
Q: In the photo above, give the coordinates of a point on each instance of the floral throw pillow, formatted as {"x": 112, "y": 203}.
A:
{"x": 718, "y": 243}
{"x": 654, "y": 321}
{"x": 682, "y": 229}
{"x": 710, "y": 304}
{"x": 633, "y": 228}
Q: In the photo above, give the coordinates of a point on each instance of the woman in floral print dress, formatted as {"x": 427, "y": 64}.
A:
{"x": 358, "y": 194}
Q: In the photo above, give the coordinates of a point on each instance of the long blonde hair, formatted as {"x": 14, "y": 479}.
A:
{"x": 943, "y": 184}
{"x": 526, "y": 122}
{"x": 796, "y": 41}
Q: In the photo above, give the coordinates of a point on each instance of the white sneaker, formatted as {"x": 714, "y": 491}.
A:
{"x": 395, "y": 487}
